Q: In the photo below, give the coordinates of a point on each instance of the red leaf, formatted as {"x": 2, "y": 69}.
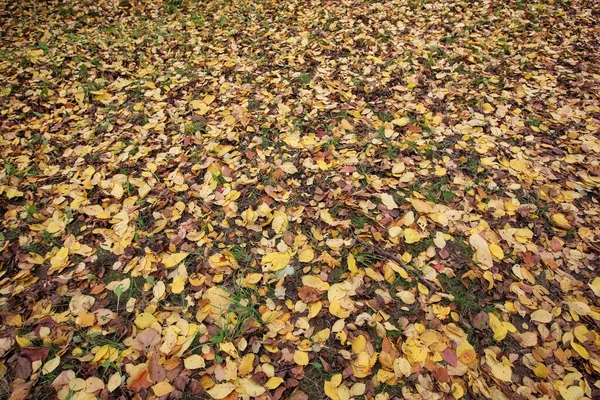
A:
{"x": 35, "y": 353}
{"x": 449, "y": 356}
{"x": 441, "y": 374}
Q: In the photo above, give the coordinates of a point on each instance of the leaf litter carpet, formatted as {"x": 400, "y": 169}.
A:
{"x": 300, "y": 199}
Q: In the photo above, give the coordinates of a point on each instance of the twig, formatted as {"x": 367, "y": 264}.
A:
{"x": 384, "y": 253}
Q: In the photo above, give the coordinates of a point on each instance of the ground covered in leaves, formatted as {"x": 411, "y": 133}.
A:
{"x": 300, "y": 199}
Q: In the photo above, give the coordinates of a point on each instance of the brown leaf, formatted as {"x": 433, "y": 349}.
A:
{"x": 480, "y": 321}
{"x": 156, "y": 371}
{"x": 21, "y": 389}
{"x": 298, "y": 395}
{"x": 146, "y": 340}
{"x": 308, "y": 294}
{"x": 21, "y": 368}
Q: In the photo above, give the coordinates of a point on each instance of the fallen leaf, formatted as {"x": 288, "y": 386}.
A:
{"x": 162, "y": 389}
{"x": 541, "y": 316}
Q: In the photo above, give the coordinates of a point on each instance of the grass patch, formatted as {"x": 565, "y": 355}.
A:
{"x": 240, "y": 254}
{"x": 466, "y": 298}
{"x": 313, "y": 381}
{"x": 439, "y": 192}
{"x": 119, "y": 298}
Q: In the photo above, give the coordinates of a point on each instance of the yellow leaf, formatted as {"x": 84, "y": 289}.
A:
{"x": 93, "y": 385}
{"x": 208, "y": 99}
{"x": 321, "y": 336}
{"x": 246, "y": 364}
{"x": 487, "y": 275}
{"x": 306, "y": 254}
{"x": 101, "y": 95}
{"x": 143, "y": 190}
{"x": 219, "y": 300}
{"x": 497, "y": 327}
{"x": 407, "y": 297}
{"x": 330, "y": 391}
{"x": 23, "y": 341}
{"x": 314, "y": 308}
{"x": 221, "y": 390}
{"x": 50, "y": 365}
{"x": 280, "y": 222}
{"x": 144, "y": 320}
{"x": 439, "y": 240}
{"x": 117, "y": 191}
{"x": 541, "y": 371}
{"x": 499, "y": 369}
{"x": 301, "y": 357}
{"x": 60, "y": 258}
{"x": 197, "y": 104}
{"x": 178, "y": 285}
{"x": 315, "y": 282}
{"x": 580, "y": 350}
{"x": 335, "y": 244}
{"x": 359, "y": 344}
{"x": 346, "y": 125}
{"x": 159, "y": 290}
{"x": 541, "y": 316}
{"x": 466, "y": 353}
{"x": 252, "y": 279}
{"x": 114, "y": 382}
{"x": 288, "y": 167}
{"x": 14, "y": 320}
{"x": 336, "y": 380}
{"x": 398, "y": 169}
{"x": 388, "y": 201}
{"x": 579, "y": 308}
{"x": 162, "y": 388}
{"x": 406, "y": 257}
{"x": 422, "y": 207}
{"x": 401, "y": 121}
{"x": 496, "y": 251}
{"x": 53, "y": 227}
{"x": 326, "y": 217}
{"x": 595, "y": 286}
{"x": 352, "y": 264}
{"x": 194, "y": 362}
{"x": 411, "y": 236}
{"x": 518, "y": 165}
{"x": 273, "y": 382}
{"x": 120, "y": 83}
{"x": 229, "y": 348}
{"x": 76, "y": 384}
{"x": 482, "y": 255}
{"x": 275, "y": 261}
{"x": 402, "y": 367}
{"x": 251, "y": 388}
{"x": 561, "y": 221}
{"x": 572, "y": 393}
{"x": 457, "y": 390}
{"x": 79, "y": 96}
{"x": 171, "y": 260}
{"x": 394, "y": 231}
